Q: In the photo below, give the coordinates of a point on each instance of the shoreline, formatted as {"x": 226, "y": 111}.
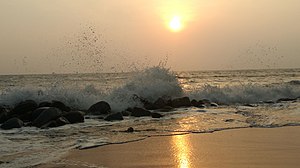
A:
{"x": 243, "y": 147}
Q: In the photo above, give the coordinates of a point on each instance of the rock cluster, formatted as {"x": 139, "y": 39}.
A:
{"x": 43, "y": 115}
{"x": 56, "y": 113}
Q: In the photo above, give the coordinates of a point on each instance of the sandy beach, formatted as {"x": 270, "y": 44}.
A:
{"x": 249, "y": 147}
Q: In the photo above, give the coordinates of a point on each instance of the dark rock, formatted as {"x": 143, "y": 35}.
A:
{"x": 60, "y": 105}
{"x": 45, "y": 104}
{"x": 140, "y": 112}
{"x": 50, "y": 124}
{"x": 126, "y": 113}
{"x": 149, "y": 106}
{"x": 204, "y": 102}
{"x": 214, "y": 105}
{"x": 3, "y": 114}
{"x": 25, "y": 117}
{"x": 99, "y": 108}
{"x": 114, "y": 116}
{"x": 46, "y": 116}
{"x": 37, "y": 112}
{"x": 181, "y": 102}
{"x": 160, "y": 103}
{"x": 25, "y": 106}
{"x": 285, "y": 99}
{"x": 194, "y": 103}
{"x": 61, "y": 121}
{"x": 201, "y": 106}
{"x": 156, "y": 115}
{"x": 130, "y": 129}
{"x": 166, "y": 109}
{"x": 229, "y": 120}
{"x": 74, "y": 117}
{"x": 12, "y": 123}
{"x": 129, "y": 109}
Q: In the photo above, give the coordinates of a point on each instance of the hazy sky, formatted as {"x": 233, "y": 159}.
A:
{"x": 45, "y": 36}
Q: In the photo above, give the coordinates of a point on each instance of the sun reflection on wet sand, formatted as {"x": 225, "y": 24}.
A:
{"x": 182, "y": 151}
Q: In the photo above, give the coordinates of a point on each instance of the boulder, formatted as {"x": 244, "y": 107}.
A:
{"x": 24, "y": 107}
{"x": 114, "y": 117}
{"x": 140, "y": 112}
{"x": 194, "y": 103}
{"x": 181, "y": 102}
{"x": 61, "y": 121}
{"x": 49, "y": 124}
{"x": 12, "y": 123}
{"x": 130, "y": 129}
{"x": 126, "y": 113}
{"x": 37, "y": 112}
{"x": 60, "y": 105}
{"x": 214, "y": 104}
{"x": 74, "y": 117}
{"x": 45, "y": 104}
{"x": 3, "y": 114}
{"x": 204, "y": 102}
{"x": 160, "y": 103}
{"x": 99, "y": 108}
{"x": 46, "y": 116}
{"x": 156, "y": 115}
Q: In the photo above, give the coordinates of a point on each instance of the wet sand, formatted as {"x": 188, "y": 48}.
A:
{"x": 240, "y": 148}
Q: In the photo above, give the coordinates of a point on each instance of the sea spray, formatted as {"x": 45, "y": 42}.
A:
{"x": 150, "y": 84}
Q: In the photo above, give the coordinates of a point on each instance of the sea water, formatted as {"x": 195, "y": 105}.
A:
{"x": 246, "y": 98}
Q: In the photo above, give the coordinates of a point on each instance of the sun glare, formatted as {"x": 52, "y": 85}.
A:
{"x": 175, "y": 24}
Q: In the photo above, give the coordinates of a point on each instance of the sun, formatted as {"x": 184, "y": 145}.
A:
{"x": 175, "y": 24}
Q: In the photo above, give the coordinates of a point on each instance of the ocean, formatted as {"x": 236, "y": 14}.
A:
{"x": 245, "y": 98}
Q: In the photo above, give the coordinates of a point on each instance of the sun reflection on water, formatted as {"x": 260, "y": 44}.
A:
{"x": 182, "y": 151}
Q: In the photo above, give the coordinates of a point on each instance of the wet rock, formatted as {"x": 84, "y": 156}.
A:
{"x": 46, "y": 116}
{"x": 61, "y": 121}
{"x": 181, "y": 102}
{"x": 156, "y": 115}
{"x": 285, "y": 99}
{"x": 140, "y": 112}
{"x": 194, "y": 103}
{"x": 126, "y": 113}
{"x": 229, "y": 120}
{"x": 204, "y": 102}
{"x": 45, "y": 104}
{"x": 214, "y": 105}
{"x": 149, "y": 106}
{"x": 3, "y": 114}
{"x": 160, "y": 103}
{"x": 60, "y": 105}
{"x": 25, "y": 117}
{"x": 130, "y": 129}
{"x": 50, "y": 124}
{"x": 201, "y": 106}
{"x": 37, "y": 112}
{"x": 25, "y": 106}
{"x": 166, "y": 109}
{"x": 12, "y": 123}
{"x": 74, "y": 117}
{"x": 114, "y": 117}
{"x": 100, "y": 108}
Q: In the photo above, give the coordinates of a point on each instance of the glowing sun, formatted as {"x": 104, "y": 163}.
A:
{"x": 175, "y": 24}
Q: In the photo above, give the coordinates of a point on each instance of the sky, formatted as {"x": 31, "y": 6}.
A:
{"x": 70, "y": 36}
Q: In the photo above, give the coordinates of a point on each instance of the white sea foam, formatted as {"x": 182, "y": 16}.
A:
{"x": 152, "y": 83}
{"x": 248, "y": 93}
